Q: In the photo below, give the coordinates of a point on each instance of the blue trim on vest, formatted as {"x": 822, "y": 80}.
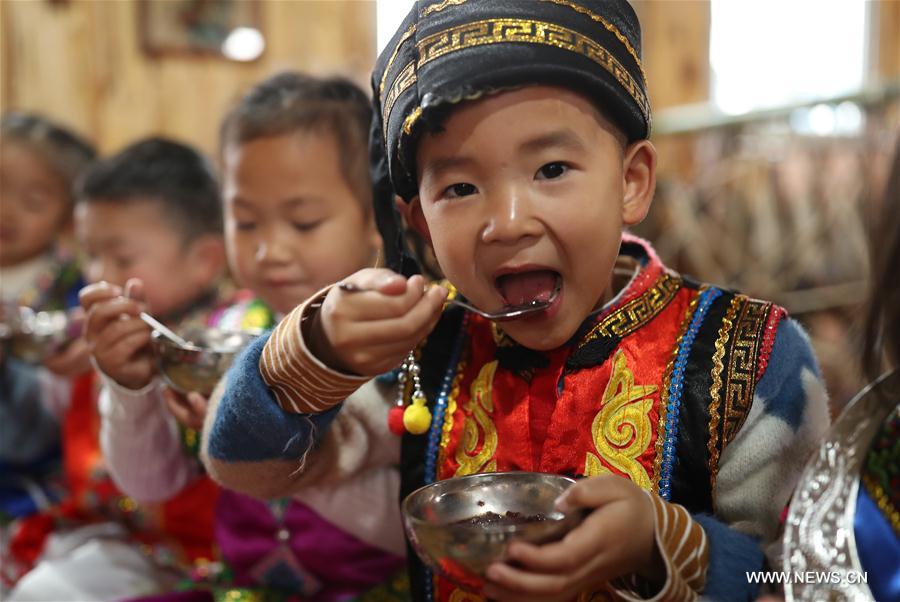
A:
{"x": 440, "y": 404}
{"x": 676, "y": 386}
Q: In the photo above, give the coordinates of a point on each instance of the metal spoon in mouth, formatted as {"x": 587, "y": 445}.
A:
{"x": 510, "y": 312}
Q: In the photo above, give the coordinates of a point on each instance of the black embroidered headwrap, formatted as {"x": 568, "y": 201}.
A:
{"x": 446, "y": 51}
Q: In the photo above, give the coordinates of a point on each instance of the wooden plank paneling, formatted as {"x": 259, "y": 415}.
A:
{"x": 80, "y": 62}
{"x": 675, "y": 50}
{"x": 886, "y": 24}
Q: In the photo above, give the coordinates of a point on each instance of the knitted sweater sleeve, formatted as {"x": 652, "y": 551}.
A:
{"x": 757, "y": 473}
{"x": 257, "y": 442}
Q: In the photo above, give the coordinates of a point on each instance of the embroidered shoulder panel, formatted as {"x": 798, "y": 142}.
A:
{"x": 728, "y": 358}
{"x": 735, "y": 368}
{"x": 637, "y": 312}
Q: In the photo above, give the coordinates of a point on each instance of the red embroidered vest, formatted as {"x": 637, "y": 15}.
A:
{"x": 652, "y": 389}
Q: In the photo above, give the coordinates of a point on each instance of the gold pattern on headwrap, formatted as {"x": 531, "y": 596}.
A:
{"x": 527, "y": 31}
{"x": 436, "y": 8}
{"x": 404, "y": 80}
{"x": 609, "y": 27}
{"x": 498, "y": 31}
{"x": 387, "y": 68}
{"x": 411, "y": 120}
{"x": 622, "y": 429}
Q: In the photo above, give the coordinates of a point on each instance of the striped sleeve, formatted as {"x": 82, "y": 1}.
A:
{"x": 684, "y": 548}
{"x": 300, "y": 382}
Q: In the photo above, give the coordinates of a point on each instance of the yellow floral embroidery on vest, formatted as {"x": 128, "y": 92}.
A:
{"x": 479, "y": 427}
{"x": 622, "y": 428}
{"x": 459, "y": 595}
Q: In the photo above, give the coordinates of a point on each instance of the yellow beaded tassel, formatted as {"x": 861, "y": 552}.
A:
{"x": 416, "y": 416}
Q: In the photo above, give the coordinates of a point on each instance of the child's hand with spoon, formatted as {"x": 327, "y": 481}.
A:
{"x": 117, "y": 338}
{"x": 370, "y": 331}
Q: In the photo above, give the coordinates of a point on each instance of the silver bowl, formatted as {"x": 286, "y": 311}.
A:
{"x": 33, "y": 336}
{"x": 450, "y": 529}
{"x": 200, "y": 365}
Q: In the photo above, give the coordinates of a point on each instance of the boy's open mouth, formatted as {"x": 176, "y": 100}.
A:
{"x": 525, "y": 287}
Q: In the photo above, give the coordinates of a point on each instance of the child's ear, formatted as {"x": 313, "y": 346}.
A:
{"x": 639, "y": 175}
{"x": 207, "y": 257}
{"x": 412, "y": 213}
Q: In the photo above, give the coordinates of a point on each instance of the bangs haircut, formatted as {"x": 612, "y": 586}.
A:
{"x": 293, "y": 102}
{"x": 163, "y": 171}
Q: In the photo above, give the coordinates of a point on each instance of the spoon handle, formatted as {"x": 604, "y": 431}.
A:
{"x": 165, "y": 330}
{"x": 509, "y": 313}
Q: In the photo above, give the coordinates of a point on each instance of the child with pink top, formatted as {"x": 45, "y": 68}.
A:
{"x": 297, "y": 204}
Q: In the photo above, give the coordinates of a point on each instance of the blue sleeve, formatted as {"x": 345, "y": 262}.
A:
{"x": 28, "y": 430}
{"x": 782, "y": 388}
{"x": 763, "y": 464}
{"x": 731, "y": 556}
{"x": 248, "y": 424}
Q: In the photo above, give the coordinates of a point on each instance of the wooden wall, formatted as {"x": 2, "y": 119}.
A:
{"x": 80, "y": 62}
{"x": 675, "y": 50}
{"x": 886, "y": 37}
{"x": 676, "y": 58}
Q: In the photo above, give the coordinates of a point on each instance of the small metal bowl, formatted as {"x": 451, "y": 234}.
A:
{"x": 33, "y": 336}
{"x": 438, "y": 519}
{"x": 200, "y": 365}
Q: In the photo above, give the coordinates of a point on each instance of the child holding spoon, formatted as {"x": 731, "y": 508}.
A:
{"x": 297, "y": 207}
{"x": 149, "y": 222}
{"x": 517, "y": 136}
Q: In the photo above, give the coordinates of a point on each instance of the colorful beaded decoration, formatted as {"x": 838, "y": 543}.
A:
{"x": 440, "y": 404}
{"x": 415, "y": 418}
{"x": 437, "y": 424}
{"x": 676, "y": 387}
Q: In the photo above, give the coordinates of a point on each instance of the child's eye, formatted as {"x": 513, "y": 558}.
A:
{"x": 245, "y": 226}
{"x": 306, "y": 226}
{"x": 551, "y": 171}
{"x": 459, "y": 190}
{"x": 124, "y": 263}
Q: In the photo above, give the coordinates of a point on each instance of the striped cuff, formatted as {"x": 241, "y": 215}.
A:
{"x": 684, "y": 549}
{"x": 300, "y": 382}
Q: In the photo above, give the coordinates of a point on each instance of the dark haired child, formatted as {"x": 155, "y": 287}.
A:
{"x": 516, "y": 133}
{"x": 297, "y": 199}
{"x": 149, "y": 221}
{"x": 39, "y": 161}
